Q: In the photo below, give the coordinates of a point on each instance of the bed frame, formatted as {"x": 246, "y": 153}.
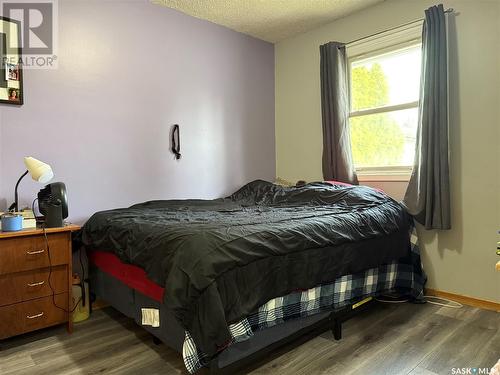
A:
{"x": 237, "y": 356}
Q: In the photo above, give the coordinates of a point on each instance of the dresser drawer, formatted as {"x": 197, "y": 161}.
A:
{"x": 28, "y": 285}
{"x": 30, "y": 252}
{"x": 36, "y": 314}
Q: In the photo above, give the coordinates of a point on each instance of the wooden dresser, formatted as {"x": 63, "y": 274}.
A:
{"x": 26, "y": 297}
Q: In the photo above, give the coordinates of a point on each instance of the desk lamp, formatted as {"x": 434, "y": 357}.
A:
{"x": 39, "y": 171}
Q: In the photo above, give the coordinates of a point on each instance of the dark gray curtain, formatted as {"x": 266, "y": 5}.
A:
{"x": 428, "y": 195}
{"x": 337, "y": 157}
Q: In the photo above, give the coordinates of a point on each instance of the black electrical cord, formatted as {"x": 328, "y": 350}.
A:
{"x": 83, "y": 278}
{"x": 33, "y": 207}
{"x": 50, "y": 283}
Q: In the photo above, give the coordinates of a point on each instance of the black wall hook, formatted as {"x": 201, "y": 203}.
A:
{"x": 176, "y": 142}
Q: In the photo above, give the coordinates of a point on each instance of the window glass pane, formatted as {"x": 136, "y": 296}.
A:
{"x": 384, "y": 139}
{"x": 388, "y": 79}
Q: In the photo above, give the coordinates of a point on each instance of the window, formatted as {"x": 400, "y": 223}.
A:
{"x": 385, "y": 86}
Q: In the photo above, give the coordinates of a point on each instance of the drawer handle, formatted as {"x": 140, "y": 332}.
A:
{"x": 35, "y": 252}
{"x": 35, "y": 316}
{"x": 36, "y": 284}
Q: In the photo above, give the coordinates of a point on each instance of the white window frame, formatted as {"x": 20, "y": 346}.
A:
{"x": 392, "y": 40}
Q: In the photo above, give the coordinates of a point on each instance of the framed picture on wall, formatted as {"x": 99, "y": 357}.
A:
{"x": 11, "y": 72}
{"x": 11, "y": 75}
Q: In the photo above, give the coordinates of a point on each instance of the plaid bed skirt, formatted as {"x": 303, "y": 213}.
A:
{"x": 404, "y": 278}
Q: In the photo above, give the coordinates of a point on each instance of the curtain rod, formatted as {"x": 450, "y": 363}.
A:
{"x": 449, "y": 10}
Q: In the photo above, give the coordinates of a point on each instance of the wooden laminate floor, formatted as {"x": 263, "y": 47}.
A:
{"x": 386, "y": 339}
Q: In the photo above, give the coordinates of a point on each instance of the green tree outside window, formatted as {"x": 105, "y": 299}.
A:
{"x": 377, "y": 140}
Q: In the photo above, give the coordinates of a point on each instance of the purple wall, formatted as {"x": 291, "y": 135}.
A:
{"x": 127, "y": 72}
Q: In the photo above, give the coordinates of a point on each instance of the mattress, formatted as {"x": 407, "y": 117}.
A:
{"x": 132, "y": 276}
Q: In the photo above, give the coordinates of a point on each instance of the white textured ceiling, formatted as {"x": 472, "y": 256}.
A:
{"x": 271, "y": 20}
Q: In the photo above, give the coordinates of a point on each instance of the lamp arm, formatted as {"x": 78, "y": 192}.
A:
{"x": 16, "y": 200}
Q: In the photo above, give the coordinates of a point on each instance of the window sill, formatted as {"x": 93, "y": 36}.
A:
{"x": 383, "y": 178}
{"x": 393, "y": 174}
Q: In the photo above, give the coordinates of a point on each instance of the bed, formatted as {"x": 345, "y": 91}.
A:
{"x": 234, "y": 277}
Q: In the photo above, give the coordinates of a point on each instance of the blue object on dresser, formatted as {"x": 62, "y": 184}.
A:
{"x": 11, "y": 222}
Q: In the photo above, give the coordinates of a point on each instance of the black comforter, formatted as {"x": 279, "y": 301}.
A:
{"x": 221, "y": 259}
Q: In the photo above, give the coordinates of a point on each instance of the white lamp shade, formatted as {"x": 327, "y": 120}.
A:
{"x": 38, "y": 170}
